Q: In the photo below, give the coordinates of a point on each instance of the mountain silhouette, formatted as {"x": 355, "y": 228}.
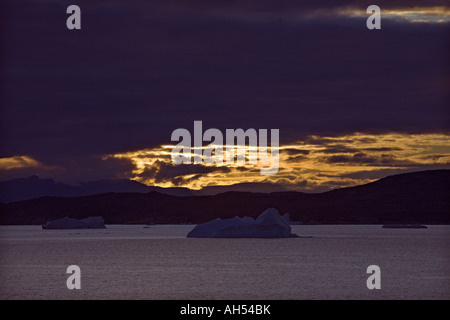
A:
{"x": 34, "y": 187}
{"x": 419, "y": 197}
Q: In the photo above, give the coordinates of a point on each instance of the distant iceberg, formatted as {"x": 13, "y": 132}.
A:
{"x": 70, "y": 223}
{"x": 404, "y": 226}
{"x": 270, "y": 224}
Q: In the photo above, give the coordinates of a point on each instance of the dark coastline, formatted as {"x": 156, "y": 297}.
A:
{"x": 414, "y": 198}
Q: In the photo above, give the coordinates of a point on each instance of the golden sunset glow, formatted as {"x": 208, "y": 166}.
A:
{"x": 25, "y": 165}
{"x": 17, "y": 162}
{"x": 438, "y": 14}
{"x": 311, "y": 164}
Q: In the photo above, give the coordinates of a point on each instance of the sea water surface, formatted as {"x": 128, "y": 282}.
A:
{"x": 133, "y": 262}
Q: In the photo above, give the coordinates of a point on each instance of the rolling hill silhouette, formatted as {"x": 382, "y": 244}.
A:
{"x": 419, "y": 197}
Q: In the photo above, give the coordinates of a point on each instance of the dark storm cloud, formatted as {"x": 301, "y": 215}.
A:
{"x": 434, "y": 157}
{"x": 162, "y": 171}
{"x": 293, "y": 151}
{"x": 180, "y": 181}
{"x": 297, "y": 158}
{"x": 242, "y": 169}
{"x": 371, "y": 160}
{"x": 359, "y": 158}
{"x": 339, "y": 149}
{"x": 382, "y": 149}
{"x": 138, "y": 70}
{"x": 92, "y": 168}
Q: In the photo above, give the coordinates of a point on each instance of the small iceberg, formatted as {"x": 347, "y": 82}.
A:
{"x": 270, "y": 224}
{"x": 70, "y": 223}
{"x": 149, "y": 225}
{"x": 404, "y": 226}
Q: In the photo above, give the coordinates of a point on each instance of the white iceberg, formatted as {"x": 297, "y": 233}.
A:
{"x": 270, "y": 224}
{"x": 70, "y": 223}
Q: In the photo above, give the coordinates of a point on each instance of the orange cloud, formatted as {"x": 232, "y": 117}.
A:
{"x": 316, "y": 163}
{"x": 24, "y": 165}
{"x": 17, "y": 162}
{"x": 437, "y": 14}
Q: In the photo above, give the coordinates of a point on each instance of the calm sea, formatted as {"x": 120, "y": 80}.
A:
{"x": 132, "y": 262}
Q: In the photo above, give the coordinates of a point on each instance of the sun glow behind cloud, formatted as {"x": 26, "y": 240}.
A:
{"x": 25, "y": 165}
{"x": 411, "y": 14}
{"x": 439, "y": 14}
{"x": 316, "y": 163}
{"x": 18, "y": 162}
{"x": 313, "y": 164}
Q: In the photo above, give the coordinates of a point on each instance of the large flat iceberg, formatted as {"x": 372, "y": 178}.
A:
{"x": 70, "y": 223}
{"x": 270, "y": 224}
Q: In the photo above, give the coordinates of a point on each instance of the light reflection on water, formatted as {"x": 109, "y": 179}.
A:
{"x": 133, "y": 262}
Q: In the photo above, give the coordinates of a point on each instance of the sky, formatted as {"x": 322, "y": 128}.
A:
{"x": 352, "y": 105}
